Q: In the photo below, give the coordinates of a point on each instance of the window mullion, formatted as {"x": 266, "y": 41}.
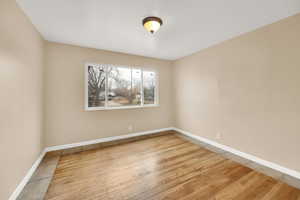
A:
{"x": 131, "y": 84}
{"x": 142, "y": 88}
{"x": 106, "y": 87}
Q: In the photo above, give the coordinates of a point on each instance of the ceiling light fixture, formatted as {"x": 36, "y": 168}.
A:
{"x": 152, "y": 24}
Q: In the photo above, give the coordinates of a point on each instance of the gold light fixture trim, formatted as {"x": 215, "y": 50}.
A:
{"x": 152, "y": 24}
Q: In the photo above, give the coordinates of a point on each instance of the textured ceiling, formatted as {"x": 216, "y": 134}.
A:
{"x": 189, "y": 25}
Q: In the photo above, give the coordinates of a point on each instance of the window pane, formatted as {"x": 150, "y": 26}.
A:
{"x": 149, "y": 87}
{"x": 119, "y": 86}
{"x": 136, "y": 86}
{"x": 96, "y": 86}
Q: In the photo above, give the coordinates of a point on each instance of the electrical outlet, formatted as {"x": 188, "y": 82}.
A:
{"x": 130, "y": 128}
{"x": 218, "y": 135}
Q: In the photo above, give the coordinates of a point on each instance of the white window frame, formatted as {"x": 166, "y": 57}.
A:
{"x": 106, "y": 107}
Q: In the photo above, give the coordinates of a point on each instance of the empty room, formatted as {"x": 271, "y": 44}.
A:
{"x": 150, "y": 100}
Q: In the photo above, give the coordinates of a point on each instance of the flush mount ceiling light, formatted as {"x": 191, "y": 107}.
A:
{"x": 152, "y": 24}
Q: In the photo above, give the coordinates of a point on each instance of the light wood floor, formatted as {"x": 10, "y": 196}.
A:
{"x": 164, "y": 167}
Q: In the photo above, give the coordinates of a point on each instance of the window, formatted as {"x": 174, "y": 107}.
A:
{"x": 113, "y": 87}
{"x": 149, "y": 87}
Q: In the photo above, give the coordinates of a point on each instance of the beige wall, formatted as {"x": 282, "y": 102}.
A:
{"x": 248, "y": 89}
{"x": 21, "y": 72}
{"x": 68, "y": 122}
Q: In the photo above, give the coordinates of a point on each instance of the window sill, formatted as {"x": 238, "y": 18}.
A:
{"x": 120, "y": 108}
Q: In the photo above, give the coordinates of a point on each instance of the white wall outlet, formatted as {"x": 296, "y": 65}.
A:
{"x": 218, "y": 135}
{"x": 130, "y": 128}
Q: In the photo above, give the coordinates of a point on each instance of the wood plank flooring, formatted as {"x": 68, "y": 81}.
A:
{"x": 165, "y": 167}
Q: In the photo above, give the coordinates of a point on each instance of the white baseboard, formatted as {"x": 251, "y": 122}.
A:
{"x": 247, "y": 156}
{"x": 107, "y": 139}
{"x": 27, "y": 177}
